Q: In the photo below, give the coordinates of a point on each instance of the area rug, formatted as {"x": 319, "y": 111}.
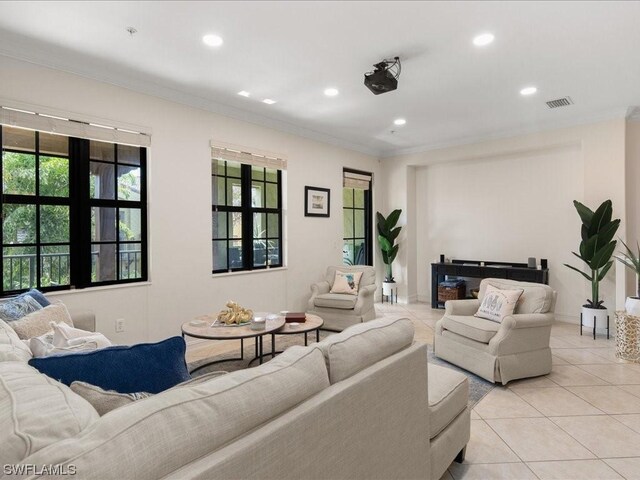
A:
{"x": 478, "y": 387}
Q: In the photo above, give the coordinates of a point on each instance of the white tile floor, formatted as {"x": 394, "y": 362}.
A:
{"x": 582, "y": 421}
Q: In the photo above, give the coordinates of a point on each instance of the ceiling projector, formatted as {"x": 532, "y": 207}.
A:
{"x": 385, "y": 76}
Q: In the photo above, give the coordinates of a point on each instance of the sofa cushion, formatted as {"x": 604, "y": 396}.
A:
{"x": 36, "y": 411}
{"x": 12, "y": 349}
{"x": 448, "y": 396}
{"x": 38, "y": 323}
{"x": 17, "y": 307}
{"x": 475, "y": 328}
{"x": 336, "y": 300}
{"x": 145, "y": 367}
{"x": 362, "y": 345}
{"x": 346, "y": 282}
{"x": 498, "y": 303}
{"x": 106, "y": 400}
{"x": 536, "y": 298}
{"x": 160, "y": 434}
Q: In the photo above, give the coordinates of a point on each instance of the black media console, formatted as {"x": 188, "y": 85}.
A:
{"x": 483, "y": 269}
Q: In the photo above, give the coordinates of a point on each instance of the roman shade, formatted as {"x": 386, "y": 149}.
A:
{"x": 43, "y": 122}
{"x": 236, "y": 154}
{"x": 356, "y": 180}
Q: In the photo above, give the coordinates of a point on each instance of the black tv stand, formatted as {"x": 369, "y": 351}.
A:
{"x": 483, "y": 269}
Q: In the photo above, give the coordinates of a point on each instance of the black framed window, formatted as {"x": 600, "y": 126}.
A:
{"x": 357, "y": 218}
{"x": 246, "y": 216}
{"x": 73, "y": 212}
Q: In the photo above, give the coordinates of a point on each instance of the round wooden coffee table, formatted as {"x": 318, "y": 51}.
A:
{"x": 218, "y": 332}
{"x": 313, "y": 322}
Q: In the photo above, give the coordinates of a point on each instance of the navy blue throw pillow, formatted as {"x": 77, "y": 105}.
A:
{"x": 145, "y": 367}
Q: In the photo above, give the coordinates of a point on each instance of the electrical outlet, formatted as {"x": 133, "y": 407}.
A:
{"x": 120, "y": 325}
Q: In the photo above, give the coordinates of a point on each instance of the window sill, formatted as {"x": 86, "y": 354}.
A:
{"x": 248, "y": 272}
{"x": 75, "y": 291}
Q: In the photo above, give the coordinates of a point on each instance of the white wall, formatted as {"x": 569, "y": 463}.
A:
{"x": 529, "y": 182}
{"x": 505, "y": 208}
{"x": 633, "y": 194}
{"x": 181, "y": 284}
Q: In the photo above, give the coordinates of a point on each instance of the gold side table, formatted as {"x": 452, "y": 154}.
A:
{"x": 627, "y": 337}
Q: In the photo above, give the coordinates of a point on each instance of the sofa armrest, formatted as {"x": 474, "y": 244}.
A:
{"x": 84, "y": 320}
{"x": 367, "y": 290}
{"x": 461, "y": 307}
{"x": 320, "y": 288}
{"x": 528, "y": 320}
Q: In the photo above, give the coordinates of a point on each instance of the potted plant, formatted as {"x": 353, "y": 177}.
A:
{"x": 387, "y": 234}
{"x": 596, "y": 249}
{"x": 632, "y": 261}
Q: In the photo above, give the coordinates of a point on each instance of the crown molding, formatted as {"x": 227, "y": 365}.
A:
{"x": 153, "y": 89}
{"x": 633, "y": 114}
{"x": 618, "y": 113}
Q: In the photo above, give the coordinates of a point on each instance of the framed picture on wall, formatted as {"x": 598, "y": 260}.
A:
{"x": 317, "y": 202}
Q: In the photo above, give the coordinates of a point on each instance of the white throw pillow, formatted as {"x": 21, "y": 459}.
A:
{"x": 66, "y": 336}
{"x": 497, "y": 303}
{"x": 346, "y": 282}
{"x": 65, "y": 339}
{"x": 38, "y": 323}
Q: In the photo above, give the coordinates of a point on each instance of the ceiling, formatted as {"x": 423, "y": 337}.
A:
{"x": 450, "y": 91}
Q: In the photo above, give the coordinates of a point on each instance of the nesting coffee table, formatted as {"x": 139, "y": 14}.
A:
{"x": 273, "y": 326}
{"x": 207, "y": 332}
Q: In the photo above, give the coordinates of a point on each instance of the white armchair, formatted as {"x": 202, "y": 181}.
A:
{"x": 340, "y": 310}
{"x": 518, "y": 347}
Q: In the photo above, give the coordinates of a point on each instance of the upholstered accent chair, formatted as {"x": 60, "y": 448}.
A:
{"x": 339, "y": 310}
{"x": 517, "y": 347}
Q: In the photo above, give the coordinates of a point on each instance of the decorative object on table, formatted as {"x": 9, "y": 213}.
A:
{"x": 596, "y": 249}
{"x": 234, "y": 315}
{"x": 544, "y": 263}
{"x": 632, "y": 261}
{"x": 298, "y": 317}
{"x": 258, "y": 323}
{"x": 628, "y": 336}
{"x": 317, "y": 202}
{"x": 387, "y": 235}
{"x": 531, "y": 262}
{"x": 452, "y": 290}
{"x": 441, "y": 258}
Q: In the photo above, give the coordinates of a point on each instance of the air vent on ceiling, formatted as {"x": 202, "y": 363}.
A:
{"x": 560, "y": 102}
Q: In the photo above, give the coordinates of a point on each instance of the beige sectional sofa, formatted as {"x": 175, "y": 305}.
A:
{"x": 360, "y": 404}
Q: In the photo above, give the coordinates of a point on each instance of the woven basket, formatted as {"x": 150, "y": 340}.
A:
{"x": 627, "y": 337}
{"x": 451, "y": 293}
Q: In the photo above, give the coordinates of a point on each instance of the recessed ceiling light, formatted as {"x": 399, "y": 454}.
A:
{"x": 483, "y": 39}
{"x": 331, "y": 92}
{"x": 399, "y": 121}
{"x": 244, "y": 93}
{"x": 528, "y": 91}
{"x": 212, "y": 40}
{"x": 268, "y": 101}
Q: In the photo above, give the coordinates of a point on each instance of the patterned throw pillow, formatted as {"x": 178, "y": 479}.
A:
{"x": 497, "y": 303}
{"x": 106, "y": 400}
{"x": 15, "y": 308}
{"x": 346, "y": 282}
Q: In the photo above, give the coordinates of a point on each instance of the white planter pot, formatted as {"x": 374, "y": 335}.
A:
{"x": 600, "y": 315}
{"x": 387, "y": 287}
{"x": 632, "y": 306}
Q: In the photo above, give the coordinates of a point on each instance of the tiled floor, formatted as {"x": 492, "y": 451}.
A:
{"x": 582, "y": 421}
